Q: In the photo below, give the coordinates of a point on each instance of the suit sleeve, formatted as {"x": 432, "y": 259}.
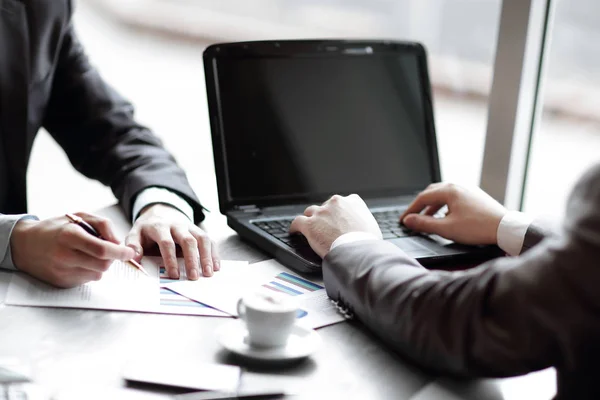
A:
{"x": 7, "y": 224}
{"x": 535, "y": 234}
{"x": 95, "y": 127}
{"x": 507, "y": 317}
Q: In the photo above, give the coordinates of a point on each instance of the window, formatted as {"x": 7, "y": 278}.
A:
{"x": 459, "y": 34}
{"x": 568, "y": 138}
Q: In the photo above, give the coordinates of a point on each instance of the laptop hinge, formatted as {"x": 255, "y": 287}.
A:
{"x": 251, "y": 208}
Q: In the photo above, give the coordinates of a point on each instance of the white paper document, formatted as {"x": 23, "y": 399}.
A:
{"x": 317, "y": 310}
{"x": 223, "y": 294}
{"x": 174, "y": 303}
{"x": 222, "y": 291}
{"x": 122, "y": 288}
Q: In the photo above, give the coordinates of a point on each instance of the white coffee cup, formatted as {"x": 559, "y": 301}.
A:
{"x": 269, "y": 317}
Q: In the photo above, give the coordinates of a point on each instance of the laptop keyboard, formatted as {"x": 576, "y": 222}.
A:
{"x": 388, "y": 221}
{"x": 281, "y": 230}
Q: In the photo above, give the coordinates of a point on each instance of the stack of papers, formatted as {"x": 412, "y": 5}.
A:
{"x": 125, "y": 288}
{"x": 223, "y": 293}
{"x": 122, "y": 288}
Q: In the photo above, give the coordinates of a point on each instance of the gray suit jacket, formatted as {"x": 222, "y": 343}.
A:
{"x": 46, "y": 80}
{"x": 507, "y": 317}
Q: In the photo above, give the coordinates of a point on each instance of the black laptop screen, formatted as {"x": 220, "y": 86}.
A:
{"x": 308, "y": 127}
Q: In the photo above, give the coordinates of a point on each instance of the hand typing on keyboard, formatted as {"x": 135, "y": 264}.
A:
{"x": 280, "y": 229}
{"x": 473, "y": 216}
{"x": 322, "y": 225}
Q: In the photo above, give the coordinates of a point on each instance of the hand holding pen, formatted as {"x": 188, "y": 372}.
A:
{"x": 90, "y": 229}
{"x": 63, "y": 253}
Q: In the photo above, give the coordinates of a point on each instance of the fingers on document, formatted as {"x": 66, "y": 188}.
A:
{"x": 162, "y": 236}
{"x": 196, "y": 246}
{"x": 189, "y": 247}
{"x": 215, "y": 256}
{"x": 199, "y": 252}
{"x": 205, "y": 249}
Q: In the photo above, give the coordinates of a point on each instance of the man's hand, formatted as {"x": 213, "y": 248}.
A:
{"x": 62, "y": 253}
{"x": 322, "y": 225}
{"x": 473, "y": 216}
{"x": 166, "y": 226}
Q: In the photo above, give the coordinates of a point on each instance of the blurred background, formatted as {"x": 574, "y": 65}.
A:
{"x": 151, "y": 50}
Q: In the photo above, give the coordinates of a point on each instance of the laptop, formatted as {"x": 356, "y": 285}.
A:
{"x": 294, "y": 122}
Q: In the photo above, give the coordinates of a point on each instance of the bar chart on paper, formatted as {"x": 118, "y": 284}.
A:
{"x": 293, "y": 286}
{"x": 316, "y": 310}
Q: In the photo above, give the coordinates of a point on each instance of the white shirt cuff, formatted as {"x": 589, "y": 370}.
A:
{"x": 352, "y": 237}
{"x": 511, "y": 232}
{"x": 155, "y": 195}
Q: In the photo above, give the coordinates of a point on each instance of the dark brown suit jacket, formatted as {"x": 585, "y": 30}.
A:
{"x": 507, "y": 317}
{"x": 47, "y": 81}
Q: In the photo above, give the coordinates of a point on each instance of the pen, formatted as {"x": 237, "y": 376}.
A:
{"x": 90, "y": 229}
{"x": 230, "y": 396}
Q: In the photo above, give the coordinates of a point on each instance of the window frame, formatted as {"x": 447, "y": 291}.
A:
{"x": 516, "y": 97}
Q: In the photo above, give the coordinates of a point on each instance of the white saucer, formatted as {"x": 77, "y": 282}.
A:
{"x": 301, "y": 343}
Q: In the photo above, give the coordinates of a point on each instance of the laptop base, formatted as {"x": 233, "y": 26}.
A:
{"x": 425, "y": 250}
